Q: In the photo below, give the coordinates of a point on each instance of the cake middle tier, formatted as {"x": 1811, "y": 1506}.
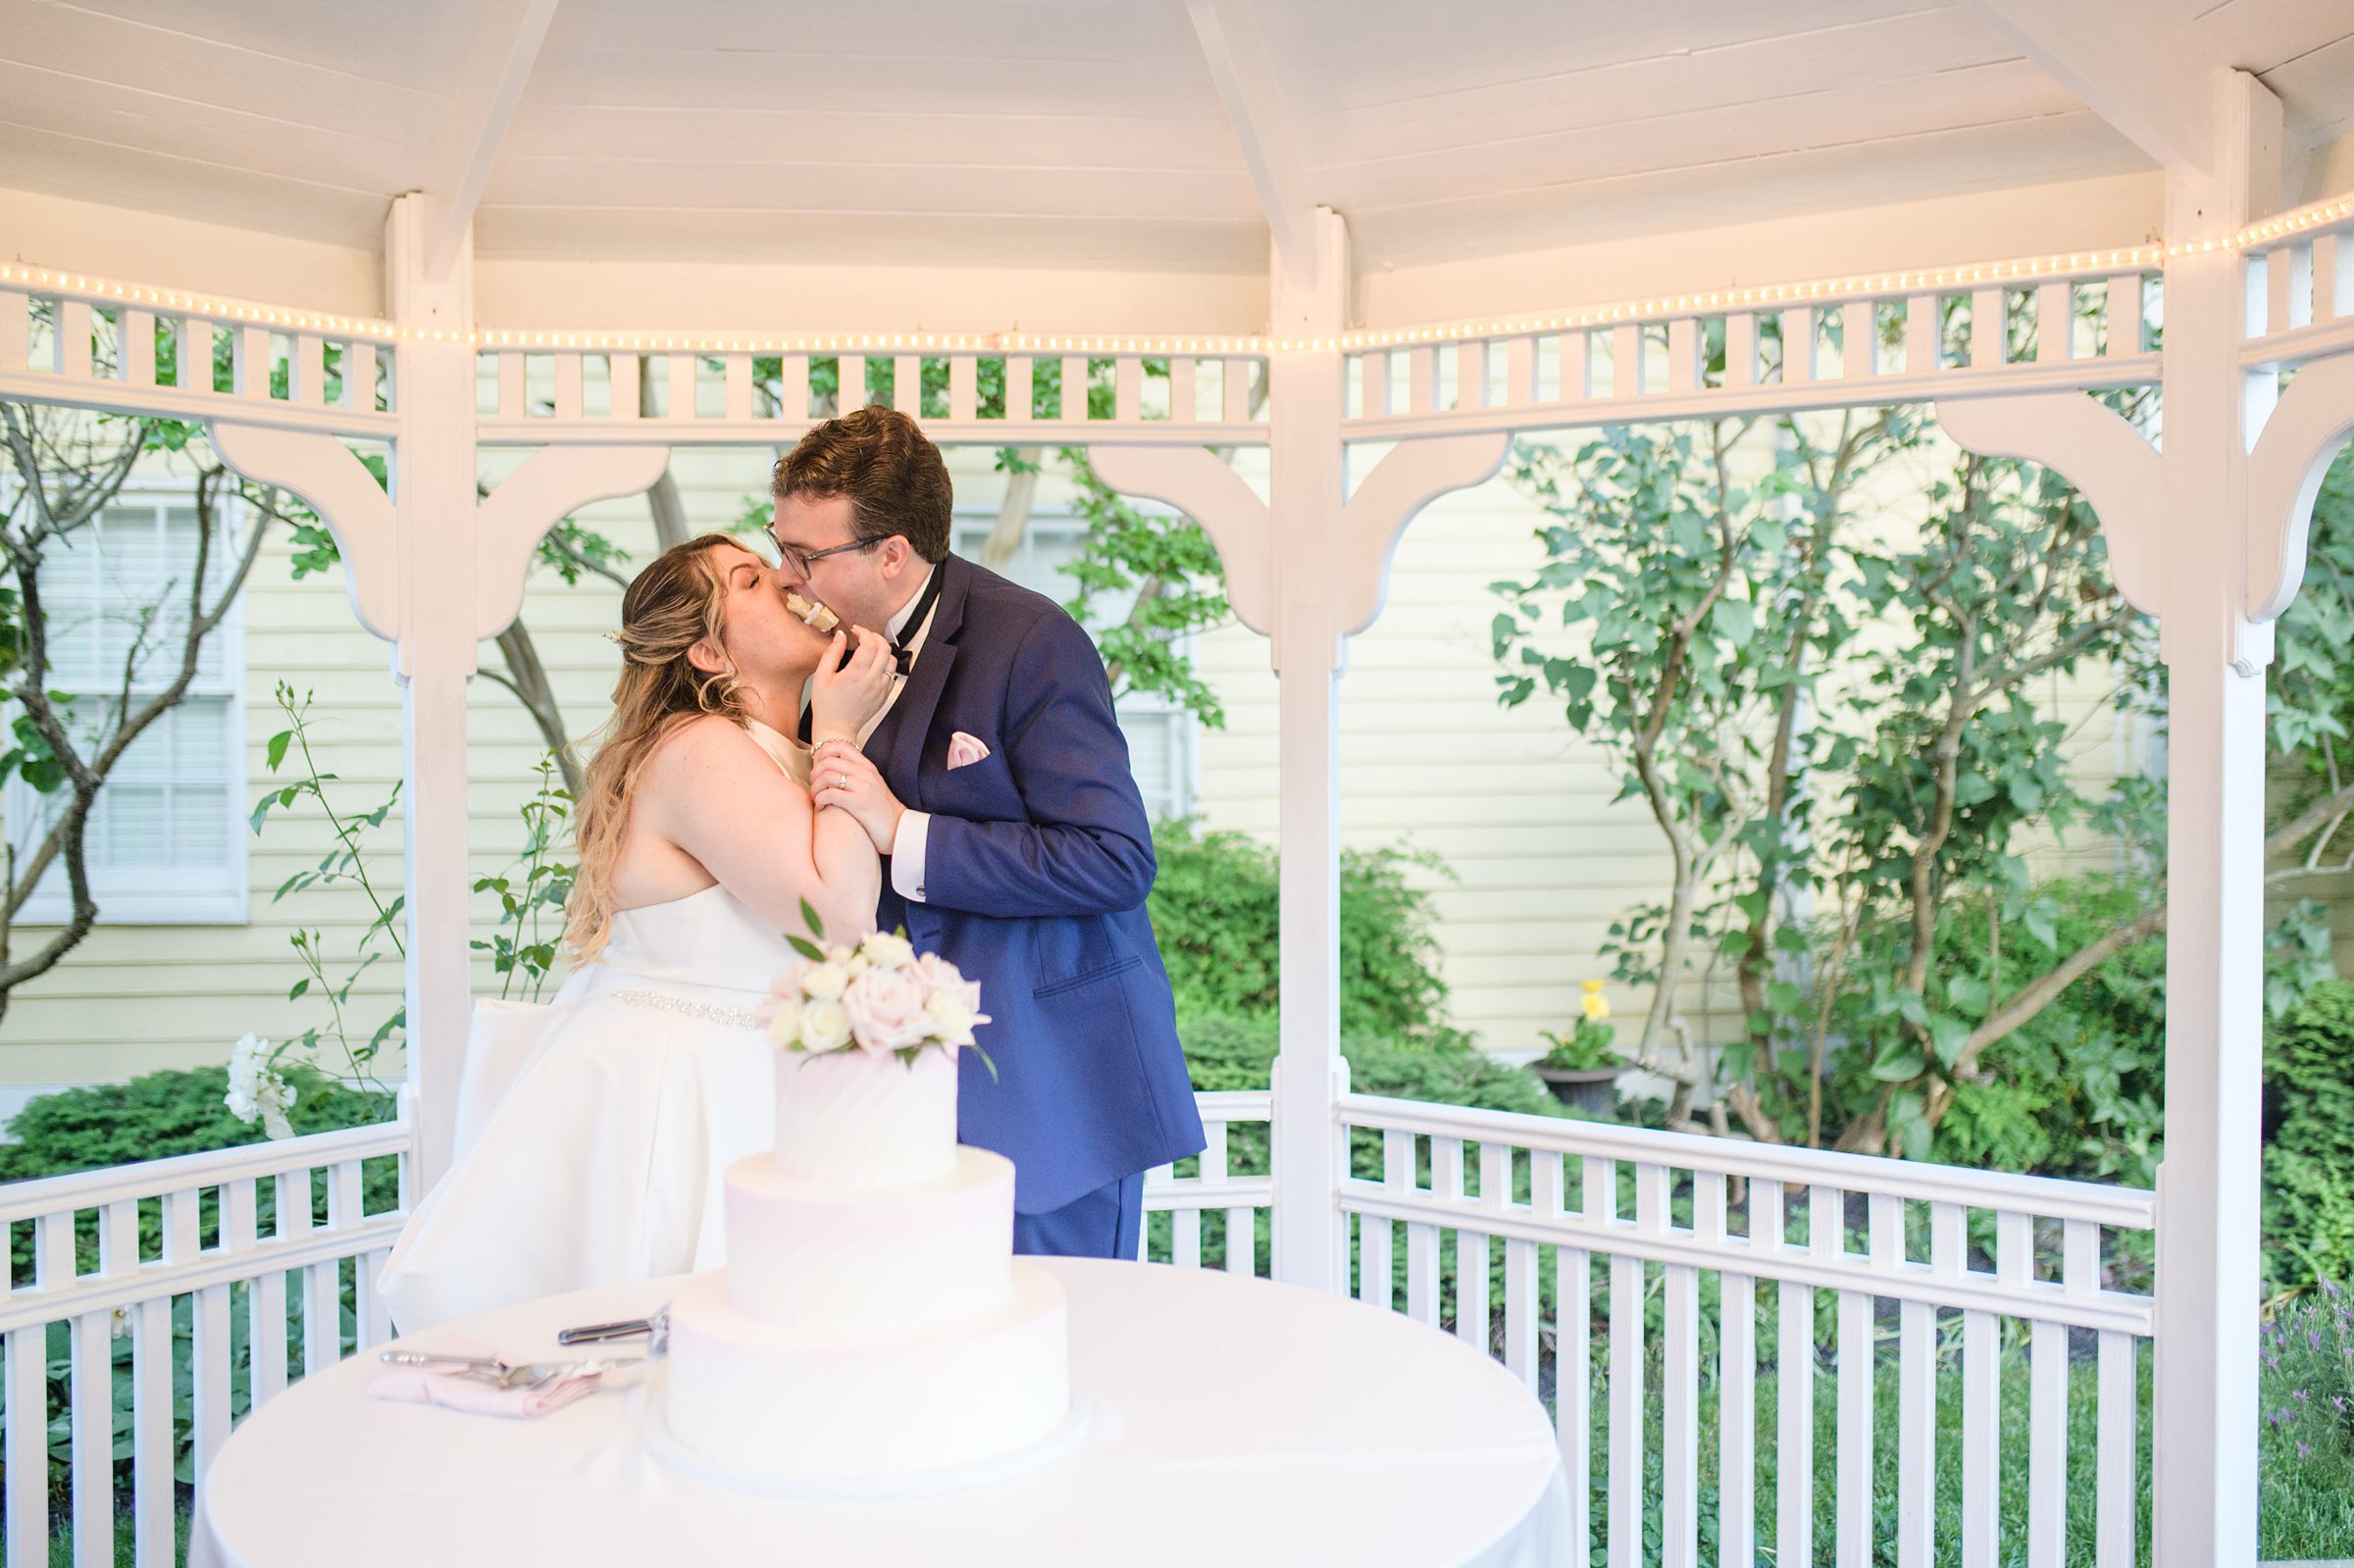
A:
{"x": 865, "y": 1263}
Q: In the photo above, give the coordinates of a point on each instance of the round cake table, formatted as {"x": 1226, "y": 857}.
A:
{"x": 1228, "y": 1421}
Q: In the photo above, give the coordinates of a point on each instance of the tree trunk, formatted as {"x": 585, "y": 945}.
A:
{"x": 1013, "y": 513}
{"x": 662, "y": 496}
{"x": 526, "y": 679}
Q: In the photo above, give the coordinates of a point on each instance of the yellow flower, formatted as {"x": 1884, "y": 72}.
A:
{"x": 1596, "y": 1005}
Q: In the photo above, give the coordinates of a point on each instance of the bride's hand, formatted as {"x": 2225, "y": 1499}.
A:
{"x": 840, "y": 774}
{"x": 842, "y": 699}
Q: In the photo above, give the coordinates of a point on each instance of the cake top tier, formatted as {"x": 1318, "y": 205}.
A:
{"x": 866, "y": 1120}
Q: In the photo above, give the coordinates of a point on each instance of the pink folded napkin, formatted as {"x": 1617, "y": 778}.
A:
{"x": 475, "y": 1396}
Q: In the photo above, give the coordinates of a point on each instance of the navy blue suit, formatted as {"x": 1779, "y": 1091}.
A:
{"x": 1036, "y": 867}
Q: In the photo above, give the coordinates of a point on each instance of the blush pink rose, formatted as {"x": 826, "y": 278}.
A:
{"x": 940, "y": 977}
{"x": 886, "y": 1011}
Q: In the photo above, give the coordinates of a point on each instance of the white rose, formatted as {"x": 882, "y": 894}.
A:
{"x": 827, "y": 982}
{"x": 785, "y": 1024}
{"x": 837, "y": 955}
{"x": 825, "y": 1027}
{"x": 857, "y": 964}
{"x": 888, "y": 951}
{"x": 953, "y": 1020}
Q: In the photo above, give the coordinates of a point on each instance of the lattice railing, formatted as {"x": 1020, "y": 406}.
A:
{"x": 553, "y": 390}
{"x": 225, "y": 1275}
{"x": 1217, "y": 1205}
{"x": 93, "y": 343}
{"x": 1867, "y": 340}
{"x": 2301, "y": 286}
{"x": 1570, "y": 1250}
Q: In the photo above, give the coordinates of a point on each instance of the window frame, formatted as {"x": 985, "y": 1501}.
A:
{"x": 169, "y": 896}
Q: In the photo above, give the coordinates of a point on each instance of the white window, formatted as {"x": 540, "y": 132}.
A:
{"x": 1160, "y": 733}
{"x": 167, "y": 835}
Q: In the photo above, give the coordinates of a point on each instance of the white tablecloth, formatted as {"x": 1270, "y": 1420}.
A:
{"x": 1230, "y": 1421}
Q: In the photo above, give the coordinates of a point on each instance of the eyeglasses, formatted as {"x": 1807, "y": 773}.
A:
{"x": 799, "y": 560}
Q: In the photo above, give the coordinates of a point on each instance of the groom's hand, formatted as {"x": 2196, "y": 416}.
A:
{"x": 840, "y": 774}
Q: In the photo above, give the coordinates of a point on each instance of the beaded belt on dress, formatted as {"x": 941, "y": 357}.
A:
{"x": 685, "y": 1006}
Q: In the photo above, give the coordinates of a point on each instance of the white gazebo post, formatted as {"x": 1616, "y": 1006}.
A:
{"x": 2208, "y": 533}
{"x": 433, "y": 568}
{"x": 434, "y": 489}
{"x": 1310, "y": 566}
{"x": 2210, "y": 1206}
{"x": 1306, "y": 491}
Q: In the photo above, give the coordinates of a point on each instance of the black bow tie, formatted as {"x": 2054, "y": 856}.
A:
{"x": 918, "y": 613}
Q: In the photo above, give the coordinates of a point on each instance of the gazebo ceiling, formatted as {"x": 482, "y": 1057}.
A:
{"x": 1072, "y": 134}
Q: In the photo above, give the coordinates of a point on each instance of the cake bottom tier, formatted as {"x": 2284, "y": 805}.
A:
{"x": 755, "y": 1395}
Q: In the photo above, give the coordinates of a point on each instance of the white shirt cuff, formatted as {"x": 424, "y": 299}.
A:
{"x": 907, "y": 855}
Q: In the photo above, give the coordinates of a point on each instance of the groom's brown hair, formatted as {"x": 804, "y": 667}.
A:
{"x": 890, "y": 470}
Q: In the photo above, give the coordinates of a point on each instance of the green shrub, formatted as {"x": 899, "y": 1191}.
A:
{"x": 1237, "y": 1051}
{"x": 1214, "y": 911}
{"x": 2309, "y": 1163}
{"x": 161, "y": 1115}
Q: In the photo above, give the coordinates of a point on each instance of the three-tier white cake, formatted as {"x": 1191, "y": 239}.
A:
{"x": 871, "y": 1322}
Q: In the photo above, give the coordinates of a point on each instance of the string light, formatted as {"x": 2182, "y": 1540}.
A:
{"x": 2263, "y": 235}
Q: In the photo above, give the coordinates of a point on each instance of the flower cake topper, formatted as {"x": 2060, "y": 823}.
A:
{"x": 880, "y": 997}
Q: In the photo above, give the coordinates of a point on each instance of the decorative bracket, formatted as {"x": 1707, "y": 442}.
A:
{"x": 513, "y": 518}
{"x": 1409, "y": 477}
{"x": 2095, "y": 449}
{"x": 1202, "y": 485}
{"x": 332, "y": 480}
{"x": 509, "y": 523}
{"x": 2311, "y": 419}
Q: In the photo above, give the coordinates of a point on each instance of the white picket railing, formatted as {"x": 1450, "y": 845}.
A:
{"x": 2300, "y": 287}
{"x": 1755, "y": 1226}
{"x": 1962, "y": 332}
{"x": 94, "y": 343}
{"x": 243, "y": 1291}
{"x": 1231, "y": 1199}
{"x": 1582, "y": 1224}
{"x": 552, "y": 388}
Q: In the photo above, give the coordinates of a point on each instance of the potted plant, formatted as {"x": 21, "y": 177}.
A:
{"x": 1580, "y": 1068}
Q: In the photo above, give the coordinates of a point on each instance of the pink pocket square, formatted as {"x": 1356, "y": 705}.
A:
{"x": 965, "y": 750}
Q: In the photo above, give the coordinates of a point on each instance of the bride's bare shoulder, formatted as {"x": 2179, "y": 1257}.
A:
{"x": 707, "y": 742}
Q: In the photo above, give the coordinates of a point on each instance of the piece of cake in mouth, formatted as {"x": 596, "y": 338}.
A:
{"x": 812, "y": 613}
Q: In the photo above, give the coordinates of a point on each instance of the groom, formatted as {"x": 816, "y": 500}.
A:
{"x": 995, "y": 783}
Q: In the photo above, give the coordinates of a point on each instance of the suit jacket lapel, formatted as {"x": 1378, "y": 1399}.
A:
{"x": 897, "y": 745}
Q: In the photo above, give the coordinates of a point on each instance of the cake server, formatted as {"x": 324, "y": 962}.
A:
{"x": 657, "y": 1329}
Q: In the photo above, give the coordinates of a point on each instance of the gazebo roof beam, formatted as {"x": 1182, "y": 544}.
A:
{"x": 1236, "y": 51}
{"x": 2128, "y": 62}
{"x": 506, "y": 40}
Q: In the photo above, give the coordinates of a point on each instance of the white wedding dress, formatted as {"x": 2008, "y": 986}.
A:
{"x": 593, "y": 1131}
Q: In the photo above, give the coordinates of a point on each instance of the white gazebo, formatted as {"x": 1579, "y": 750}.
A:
{"x": 1416, "y": 230}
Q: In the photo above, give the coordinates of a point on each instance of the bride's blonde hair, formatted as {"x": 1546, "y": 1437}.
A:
{"x": 676, "y": 602}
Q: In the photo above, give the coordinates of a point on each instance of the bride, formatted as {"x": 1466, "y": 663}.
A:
{"x": 600, "y": 1160}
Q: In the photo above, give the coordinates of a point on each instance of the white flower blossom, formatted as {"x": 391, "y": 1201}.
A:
{"x": 256, "y": 1090}
{"x": 950, "y": 1018}
{"x": 827, "y": 982}
{"x": 784, "y": 1024}
{"x": 825, "y": 1027}
{"x": 887, "y": 951}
